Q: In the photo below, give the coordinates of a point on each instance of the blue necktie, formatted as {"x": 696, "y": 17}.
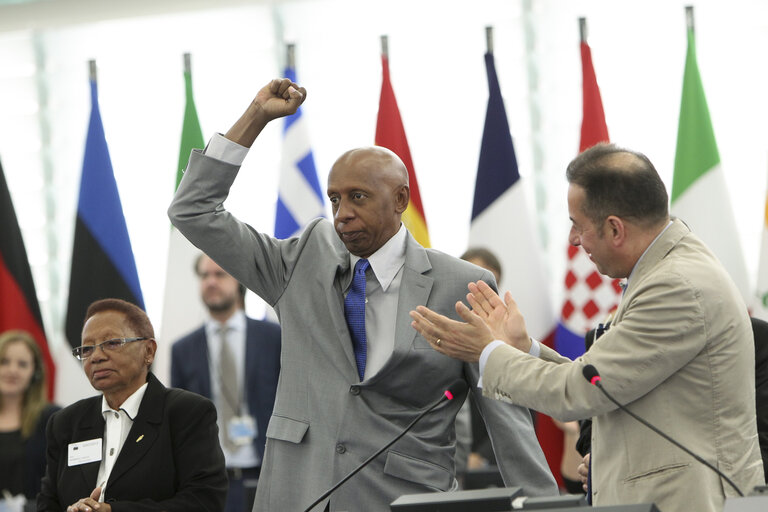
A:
{"x": 354, "y": 310}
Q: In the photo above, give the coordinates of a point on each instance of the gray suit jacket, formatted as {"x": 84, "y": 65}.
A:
{"x": 680, "y": 354}
{"x": 325, "y": 421}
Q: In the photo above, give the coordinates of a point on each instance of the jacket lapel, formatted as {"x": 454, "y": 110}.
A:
{"x": 334, "y": 283}
{"x": 144, "y": 431}
{"x": 91, "y": 427}
{"x": 415, "y": 288}
{"x": 202, "y": 369}
{"x": 251, "y": 367}
{"x": 658, "y": 251}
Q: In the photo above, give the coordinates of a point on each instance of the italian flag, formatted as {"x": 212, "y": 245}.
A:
{"x": 699, "y": 194}
{"x": 760, "y": 305}
{"x": 182, "y": 308}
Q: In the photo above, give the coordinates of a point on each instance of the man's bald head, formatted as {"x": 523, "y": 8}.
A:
{"x": 368, "y": 190}
{"x": 377, "y": 159}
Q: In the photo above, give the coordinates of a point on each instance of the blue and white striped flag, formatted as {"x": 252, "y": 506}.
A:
{"x": 300, "y": 198}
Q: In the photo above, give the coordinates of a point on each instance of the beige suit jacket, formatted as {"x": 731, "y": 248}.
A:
{"x": 680, "y": 354}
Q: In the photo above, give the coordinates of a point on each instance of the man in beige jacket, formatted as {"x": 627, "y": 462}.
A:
{"x": 679, "y": 352}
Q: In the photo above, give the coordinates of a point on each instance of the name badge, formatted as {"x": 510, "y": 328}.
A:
{"x": 242, "y": 430}
{"x": 84, "y": 452}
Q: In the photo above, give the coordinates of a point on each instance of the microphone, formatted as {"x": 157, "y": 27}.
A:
{"x": 591, "y": 374}
{"x": 456, "y": 388}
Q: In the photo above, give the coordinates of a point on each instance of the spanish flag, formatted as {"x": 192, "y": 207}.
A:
{"x": 390, "y": 134}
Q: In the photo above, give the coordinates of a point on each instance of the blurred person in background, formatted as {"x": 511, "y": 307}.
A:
{"x": 233, "y": 360}
{"x": 479, "y": 454}
{"x": 24, "y": 412}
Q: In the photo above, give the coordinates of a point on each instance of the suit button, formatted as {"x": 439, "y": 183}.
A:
{"x": 355, "y": 390}
{"x": 340, "y": 448}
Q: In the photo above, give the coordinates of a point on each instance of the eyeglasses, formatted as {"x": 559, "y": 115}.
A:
{"x": 86, "y": 351}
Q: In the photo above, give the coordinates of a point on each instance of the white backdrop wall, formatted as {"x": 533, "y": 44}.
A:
{"x": 436, "y": 59}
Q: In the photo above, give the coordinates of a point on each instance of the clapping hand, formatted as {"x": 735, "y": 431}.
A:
{"x": 90, "y": 504}
{"x": 503, "y": 318}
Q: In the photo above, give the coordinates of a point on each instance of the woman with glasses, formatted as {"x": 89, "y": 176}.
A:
{"x": 139, "y": 446}
{"x": 24, "y": 411}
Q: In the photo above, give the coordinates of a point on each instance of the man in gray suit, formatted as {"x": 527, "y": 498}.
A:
{"x": 344, "y": 391}
{"x": 678, "y": 353}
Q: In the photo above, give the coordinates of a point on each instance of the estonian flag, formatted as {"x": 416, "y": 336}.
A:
{"x": 102, "y": 258}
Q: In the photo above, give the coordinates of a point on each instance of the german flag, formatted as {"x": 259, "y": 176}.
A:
{"x": 390, "y": 134}
{"x": 18, "y": 301}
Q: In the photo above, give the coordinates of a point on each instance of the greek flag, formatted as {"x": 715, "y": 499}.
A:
{"x": 300, "y": 198}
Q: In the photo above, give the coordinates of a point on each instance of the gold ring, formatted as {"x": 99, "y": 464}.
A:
{"x": 437, "y": 342}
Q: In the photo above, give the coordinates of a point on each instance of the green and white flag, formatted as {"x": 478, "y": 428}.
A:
{"x": 699, "y": 193}
{"x": 183, "y": 310}
{"x": 760, "y": 304}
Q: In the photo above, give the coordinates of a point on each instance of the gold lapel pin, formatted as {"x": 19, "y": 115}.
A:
{"x": 140, "y": 438}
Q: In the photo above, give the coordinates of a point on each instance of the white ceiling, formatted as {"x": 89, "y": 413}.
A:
{"x": 37, "y": 14}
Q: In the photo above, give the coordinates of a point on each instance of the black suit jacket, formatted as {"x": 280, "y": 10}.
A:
{"x": 760, "y": 330}
{"x": 171, "y": 460}
{"x": 34, "y": 454}
{"x": 190, "y": 371}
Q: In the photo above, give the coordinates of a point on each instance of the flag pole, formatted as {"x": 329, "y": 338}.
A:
{"x": 489, "y": 39}
{"x": 187, "y": 63}
{"x": 290, "y": 55}
{"x": 583, "y": 29}
{"x": 385, "y": 46}
{"x": 689, "y": 17}
{"x": 92, "y": 70}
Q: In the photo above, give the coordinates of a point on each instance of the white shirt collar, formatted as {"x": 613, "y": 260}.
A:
{"x": 131, "y": 404}
{"x": 235, "y": 323}
{"x": 386, "y": 262}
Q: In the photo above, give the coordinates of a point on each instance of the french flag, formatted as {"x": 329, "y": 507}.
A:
{"x": 501, "y": 218}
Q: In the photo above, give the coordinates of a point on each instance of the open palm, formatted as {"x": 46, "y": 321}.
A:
{"x": 503, "y": 318}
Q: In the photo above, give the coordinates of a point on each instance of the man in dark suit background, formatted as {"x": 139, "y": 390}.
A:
{"x": 245, "y": 403}
{"x": 139, "y": 447}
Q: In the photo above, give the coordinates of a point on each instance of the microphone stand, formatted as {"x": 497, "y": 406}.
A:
{"x": 448, "y": 394}
{"x": 596, "y": 382}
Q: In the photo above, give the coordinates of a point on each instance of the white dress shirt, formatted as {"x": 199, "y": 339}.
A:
{"x": 244, "y": 456}
{"x": 117, "y": 425}
{"x": 382, "y": 289}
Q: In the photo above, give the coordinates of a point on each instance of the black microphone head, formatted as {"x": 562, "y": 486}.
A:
{"x": 457, "y": 387}
{"x": 590, "y": 373}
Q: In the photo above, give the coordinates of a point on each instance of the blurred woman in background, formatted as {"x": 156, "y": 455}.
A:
{"x": 24, "y": 412}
